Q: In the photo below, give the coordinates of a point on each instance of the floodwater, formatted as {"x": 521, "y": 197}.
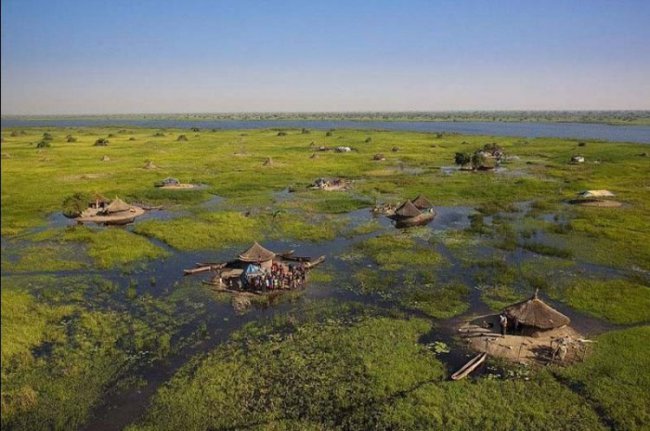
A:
{"x": 119, "y": 409}
{"x": 604, "y": 132}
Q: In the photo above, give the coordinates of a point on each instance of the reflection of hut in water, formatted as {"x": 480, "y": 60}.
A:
{"x": 258, "y": 255}
{"x": 534, "y": 315}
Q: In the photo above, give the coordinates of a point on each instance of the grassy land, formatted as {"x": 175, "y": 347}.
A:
{"x": 327, "y": 372}
{"x": 69, "y": 338}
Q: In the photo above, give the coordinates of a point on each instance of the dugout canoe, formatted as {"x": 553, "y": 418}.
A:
{"x": 469, "y": 367}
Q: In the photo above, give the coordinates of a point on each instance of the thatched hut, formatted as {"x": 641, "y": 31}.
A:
{"x": 421, "y": 202}
{"x": 117, "y": 205}
{"x": 407, "y": 210}
{"x": 258, "y": 255}
{"x": 534, "y": 315}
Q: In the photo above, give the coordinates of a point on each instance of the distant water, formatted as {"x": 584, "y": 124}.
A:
{"x": 605, "y": 132}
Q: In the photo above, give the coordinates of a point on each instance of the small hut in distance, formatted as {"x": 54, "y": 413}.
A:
{"x": 169, "y": 181}
{"x": 534, "y": 315}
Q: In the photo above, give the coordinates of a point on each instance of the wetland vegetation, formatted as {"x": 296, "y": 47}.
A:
{"x": 101, "y": 330}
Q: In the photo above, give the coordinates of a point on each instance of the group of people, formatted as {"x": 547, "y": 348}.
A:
{"x": 279, "y": 277}
{"x": 504, "y": 323}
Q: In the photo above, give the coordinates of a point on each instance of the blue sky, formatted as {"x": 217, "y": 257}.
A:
{"x": 123, "y": 56}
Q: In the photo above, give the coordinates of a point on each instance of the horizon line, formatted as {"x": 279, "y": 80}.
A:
{"x": 418, "y": 111}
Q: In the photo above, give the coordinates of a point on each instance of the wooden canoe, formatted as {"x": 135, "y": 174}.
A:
{"x": 297, "y": 258}
{"x": 469, "y": 367}
{"x": 314, "y": 262}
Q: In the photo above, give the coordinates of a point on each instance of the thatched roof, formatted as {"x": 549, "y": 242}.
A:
{"x": 421, "y": 202}
{"x": 256, "y": 253}
{"x": 596, "y": 194}
{"x": 535, "y": 312}
{"x": 117, "y": 205}
{"x": 407, "y": 209}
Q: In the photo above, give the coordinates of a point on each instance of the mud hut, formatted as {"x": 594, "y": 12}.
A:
{"x": 421, "y": 202}
{"x": 595, "y": 194}
{"x": 577, "y": 159}
{"x": 534, "y": 315}
{"x": 169, "y": 181}
{"x": 596, "y": 198}
{"x": 258, "y": 255}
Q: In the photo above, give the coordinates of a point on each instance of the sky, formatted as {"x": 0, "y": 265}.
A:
{"x": 146, "y": 56}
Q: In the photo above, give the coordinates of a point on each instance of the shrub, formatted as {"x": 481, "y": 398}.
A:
{"x": 71, "y": 139}
{"x": 282, "y": 133}
{"x": 74, "y": 205}
{"x": 462, "y": 159}
{"x": 181, "y": 138}
{"x": 101, "y": 142}
{"x": 43, "y": 144}
{"x": 368, "y": 140}
{"x": 47, "y": 136}
{"x": 328, "y": 133}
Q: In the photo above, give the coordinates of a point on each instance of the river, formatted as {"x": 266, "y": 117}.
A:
{"x": 587, "y": 131}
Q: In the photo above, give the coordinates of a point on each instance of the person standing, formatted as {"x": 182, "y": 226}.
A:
{"x": 503, "y": 321}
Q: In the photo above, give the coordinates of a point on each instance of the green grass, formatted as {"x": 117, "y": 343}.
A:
{"x": 309, "y": 370}
{"x": 614, "y": 378}
{"x": 323, "y": 372}
{"x": 61, "y": 354}
{"x": 618, "y": 301}
{"x": 394, "y": 252}
{"x": 203, "y": 232}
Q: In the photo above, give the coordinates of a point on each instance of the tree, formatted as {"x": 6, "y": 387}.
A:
{"x": 478, "y": 160}
{"x": 462, "y": 159}
{"x": 74, "y": 205}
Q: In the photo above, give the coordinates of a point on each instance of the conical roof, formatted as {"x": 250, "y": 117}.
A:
{"x": 256, "y": 253}
{"x": 535, "y": 312}
{"x": 407, "y": 209}
{"x": 117, "y": 205}
{"x": 421, "y": 202}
